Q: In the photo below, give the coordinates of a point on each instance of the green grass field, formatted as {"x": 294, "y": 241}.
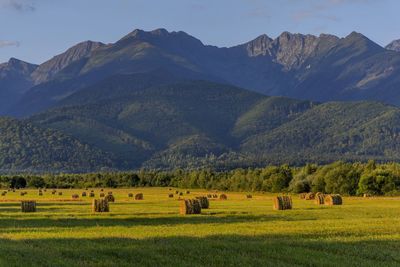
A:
{"x": 235, "y": 232}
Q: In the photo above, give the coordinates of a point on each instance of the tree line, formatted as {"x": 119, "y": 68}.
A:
{"x": 338, "y": 177}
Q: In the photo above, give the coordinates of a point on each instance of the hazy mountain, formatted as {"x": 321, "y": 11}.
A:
{"x": 394, "y": 46}
{"x": 15, "y": 80}
{"x": 49, "y": 69}
{"x": 321, "y": 68}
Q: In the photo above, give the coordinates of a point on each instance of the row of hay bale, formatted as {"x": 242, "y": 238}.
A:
{"x": 322, "y": 199}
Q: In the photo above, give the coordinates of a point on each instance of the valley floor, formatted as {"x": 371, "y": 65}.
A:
{"x": 235, "y": 232}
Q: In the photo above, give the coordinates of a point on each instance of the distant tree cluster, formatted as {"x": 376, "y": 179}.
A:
{"x": 338, "y": 177}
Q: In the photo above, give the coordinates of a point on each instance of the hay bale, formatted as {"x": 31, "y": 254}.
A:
{"x": 4, "y": 193}
{"x": 100, "y": 205}
{"x": 91, "y": 194}
{"x": 139, "y": 196}
{"x": 366, "y": 195}
{"x": 83, "y": 194}
{"x": 223, "y": 197}
{"x": 101, "y": 190}
{"x": 249, "y": 196}
{"x": 282, "y": 203}
{"x": 302, "y": 195}
{"x": 171, "y": 195}
{"x": 22, "y": 194}
{"x": 110, "y": 198}
{"x": 319, "y": 199}
{"x": 310, "y": 196}
{"x": 28, "y": 206}
{"x": 204, "y": 203}
{"x": 101, "y": 194}
{"x": 187, "y": 192}
{"x": 130, "y": 195}
{"x": 176, "y": 192}
{"x": 209, "y": 195}
{"x": 190, "y": 206}
{"x": 40, "y": 193}
{"x": 333, "y": 200}
{"x": 110, "y": 193}
{"x": 60, "y": 193}
{"x": 75, "y": 196}
{"x": 215, "y": 196}
{"x": 53, "y": 192}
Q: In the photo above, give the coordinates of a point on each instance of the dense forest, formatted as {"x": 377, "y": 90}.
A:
{"x": 338, "y": 177}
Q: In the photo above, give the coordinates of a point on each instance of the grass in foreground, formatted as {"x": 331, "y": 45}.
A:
{"x": 239, "y": 231}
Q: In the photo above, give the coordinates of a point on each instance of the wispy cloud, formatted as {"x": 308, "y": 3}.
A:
{"x": 319, "y": 9}
{"x": 19, "y": 5}
{"x": 5, "y": 43}
{"x": 257, "y": 9}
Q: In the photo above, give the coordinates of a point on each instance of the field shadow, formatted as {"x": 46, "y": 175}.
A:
{"x": 217, "y": 250}
{"x": 112, "y": 220}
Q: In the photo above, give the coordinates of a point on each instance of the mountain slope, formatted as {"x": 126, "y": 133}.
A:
{"x": 24, "y": 146}
{"x": 197, "y": 124}
{"x": 331, "y": 131}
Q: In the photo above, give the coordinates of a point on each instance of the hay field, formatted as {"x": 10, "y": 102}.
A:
{"x": 234, "y": 232}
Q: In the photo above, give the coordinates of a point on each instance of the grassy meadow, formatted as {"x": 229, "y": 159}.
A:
{"x": 235, "y": 232}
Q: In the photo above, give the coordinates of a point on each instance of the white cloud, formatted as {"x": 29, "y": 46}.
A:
{"x": 6, "y": 43}
{"x": 18, "y": 5}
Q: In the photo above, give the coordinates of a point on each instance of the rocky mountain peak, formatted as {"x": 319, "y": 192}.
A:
{"x": 394, "y": 46}
{"x": 290, "y": 50}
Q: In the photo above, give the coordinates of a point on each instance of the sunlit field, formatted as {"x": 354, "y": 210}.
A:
{"x": 233, "y": 232}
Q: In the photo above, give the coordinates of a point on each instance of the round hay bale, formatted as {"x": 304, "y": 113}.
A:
{"x": 28, "y": 206}
{"x": 223, "y": 197}
{"x": 110, "y": 198}
{"x": 171, "y": 195}
{"x": 22, "y": 194}
{"x": 310, "y": 196}
{"x": 110, "y": 193}
{"x": 176, "y": 192}
{"x": 190, "y": 206}
{"x": 91, "y": 194}
{"x": 101, "y": 189}
{"x": 139, "y": 196}
{"x": 83, "y": 194}
{"x": 302, "y": 195}
{"x": 40, "y": 193}
{"x": 187, "y": 192}
{"x": 101, "y": 194}
{"x": 331, "y": 200}
{"x": 130, "y": 195}
{"x": 215, "y": 196}
{"x": 319, "y": 199}
{"x": 75, "y": 196}
{"x": 204, "y": 203}
{"x": 181, "y": 193}
{"x": 209, "y": 195}
{"x": 282, "y": 203}
{"x": 366, "y": 195}
{"x": 249, "y": 196}
{"x": 4, "y": 193}
{"x": 100, "y": 205}
{"x": 60, "y": 193}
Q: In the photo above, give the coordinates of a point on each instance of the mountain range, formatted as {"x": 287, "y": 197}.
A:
{"x": 164, "y": 100}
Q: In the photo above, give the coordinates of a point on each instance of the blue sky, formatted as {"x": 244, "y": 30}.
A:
{"x": 35, "y": 30}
